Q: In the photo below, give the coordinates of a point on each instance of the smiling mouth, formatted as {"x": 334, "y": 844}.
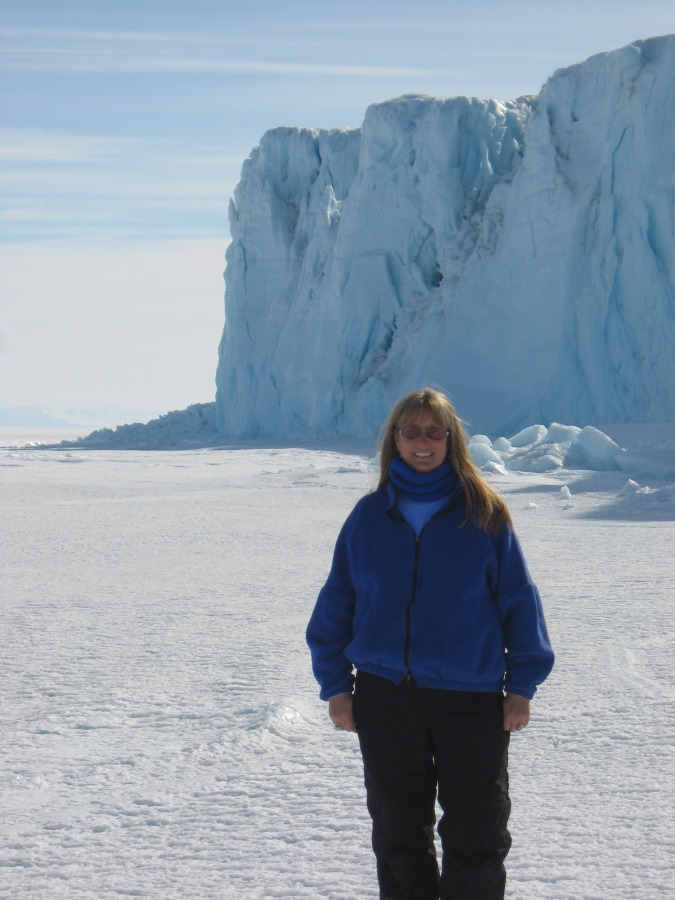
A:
{"x": 423, "y": 455}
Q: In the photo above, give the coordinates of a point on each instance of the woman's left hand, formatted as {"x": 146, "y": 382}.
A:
{"x": 516, "y": 712}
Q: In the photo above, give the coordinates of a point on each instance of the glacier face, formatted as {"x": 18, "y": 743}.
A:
{"x": 520, "y": 255}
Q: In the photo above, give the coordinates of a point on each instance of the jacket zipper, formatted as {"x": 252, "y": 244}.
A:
{"x": 406, "y": 648}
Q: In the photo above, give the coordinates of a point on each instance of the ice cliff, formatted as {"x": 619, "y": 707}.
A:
{"x": 519, "y": 254}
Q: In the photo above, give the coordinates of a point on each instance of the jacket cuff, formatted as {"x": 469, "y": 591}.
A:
{"x": 347, "y": 687}
{"x": 526, "y": 692}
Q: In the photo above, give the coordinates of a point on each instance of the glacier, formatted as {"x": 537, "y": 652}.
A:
{"x": 518, "y": 254}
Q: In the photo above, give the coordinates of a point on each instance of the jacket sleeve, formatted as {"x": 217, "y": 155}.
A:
{"x": 330, "y": 627}
{"x": 529, "y": 656}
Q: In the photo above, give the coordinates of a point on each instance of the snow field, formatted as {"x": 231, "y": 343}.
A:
{"x": 161, "y": 734}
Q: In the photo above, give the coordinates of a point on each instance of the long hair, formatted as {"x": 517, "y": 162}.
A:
{"x": 484, "y": 507}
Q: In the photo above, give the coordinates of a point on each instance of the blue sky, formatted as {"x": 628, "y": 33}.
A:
{"x": 123, "y": 126}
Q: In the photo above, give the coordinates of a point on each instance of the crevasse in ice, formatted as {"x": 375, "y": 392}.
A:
{"x": 520, "y": 255}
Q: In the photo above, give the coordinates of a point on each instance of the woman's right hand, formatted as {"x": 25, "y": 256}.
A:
{"x": 340, "y": 712}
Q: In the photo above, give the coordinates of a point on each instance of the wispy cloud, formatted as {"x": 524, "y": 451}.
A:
{"x": 82, "y": 185}
{"x": 33, "y": 146}
{"x": 61, "y": 61}
{"x": 92, "y": 34}
{"x": 147, "y": 52}
{"x": 22, "y": 145}
{"x": 85, "y": 184}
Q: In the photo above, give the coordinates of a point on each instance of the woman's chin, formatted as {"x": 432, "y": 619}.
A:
{"x": 425, "y": 465}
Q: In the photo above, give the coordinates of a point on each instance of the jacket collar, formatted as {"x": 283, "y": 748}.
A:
{"x": 392, "y": 495}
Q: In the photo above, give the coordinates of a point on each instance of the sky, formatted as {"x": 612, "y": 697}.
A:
{"x": 123, "y": 127}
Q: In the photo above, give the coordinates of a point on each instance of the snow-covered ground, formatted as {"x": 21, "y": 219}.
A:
{"x": 161, "y": 734}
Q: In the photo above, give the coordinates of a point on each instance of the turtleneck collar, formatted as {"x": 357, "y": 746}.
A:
{"x": 423, "y": 486}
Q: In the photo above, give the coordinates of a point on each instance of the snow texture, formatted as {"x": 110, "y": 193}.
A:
{"x": 521, "y": 255}
{"x": 161, "y": 734}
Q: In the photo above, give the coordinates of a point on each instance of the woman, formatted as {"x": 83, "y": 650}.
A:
{"x": 429, "y": 598}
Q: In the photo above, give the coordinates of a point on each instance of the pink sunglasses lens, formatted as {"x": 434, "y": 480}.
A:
{"x": 412, "y": 432}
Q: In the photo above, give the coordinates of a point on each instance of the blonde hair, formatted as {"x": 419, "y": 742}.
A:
{"x": 484, "y": 507}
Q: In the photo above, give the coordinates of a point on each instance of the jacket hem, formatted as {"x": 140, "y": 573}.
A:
{"x": 444, "y": 684}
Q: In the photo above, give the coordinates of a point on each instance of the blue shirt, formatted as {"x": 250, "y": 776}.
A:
{"x": 417, "y": 513}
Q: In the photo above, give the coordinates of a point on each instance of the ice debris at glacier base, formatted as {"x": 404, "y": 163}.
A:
{"x": 563, "y": 448}
{"x": 541, "y": 449}
{"x": 521, "y": 255}
{"x": 535, "y": 448}
{"x": 194, "y": 426}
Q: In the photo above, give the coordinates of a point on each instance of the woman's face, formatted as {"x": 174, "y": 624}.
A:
{"x": 422, "y": 454}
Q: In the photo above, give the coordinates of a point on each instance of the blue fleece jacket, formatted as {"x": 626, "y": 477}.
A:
{"x": 455, "y": 608}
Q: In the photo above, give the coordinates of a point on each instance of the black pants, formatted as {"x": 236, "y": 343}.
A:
{"x": 413, "y": 741}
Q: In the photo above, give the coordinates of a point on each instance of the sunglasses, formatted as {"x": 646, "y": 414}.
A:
{"x": 412, "y": 432}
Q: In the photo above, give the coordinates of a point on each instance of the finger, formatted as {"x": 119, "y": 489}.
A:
{"x": 346, "y": 722}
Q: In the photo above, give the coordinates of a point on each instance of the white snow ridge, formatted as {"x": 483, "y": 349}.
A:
{"x": 519, "y": 254}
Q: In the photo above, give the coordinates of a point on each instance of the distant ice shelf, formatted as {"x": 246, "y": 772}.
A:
{"x": 519, "y": 254}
